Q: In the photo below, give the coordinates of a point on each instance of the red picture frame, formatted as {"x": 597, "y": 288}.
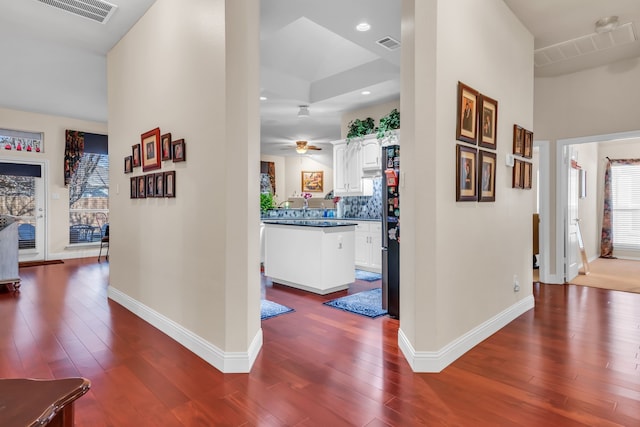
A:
{"x": 150, "y": 147}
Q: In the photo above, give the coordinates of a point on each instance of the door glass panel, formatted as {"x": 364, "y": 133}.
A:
{"x": 18, "y": 199}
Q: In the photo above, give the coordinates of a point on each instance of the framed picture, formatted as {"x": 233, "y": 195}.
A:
{"x": 170, "y": 184}
{"x": 467, "y": 127}
{"x": 165, "y": 143}
{"x": 159, "y": 184}
{"x": 135, "y": 154}
{"x": 517, "y": 174}
{"x": 151, "y": 184}
{"x": 312, "y": 182}
{"x": 150, "y": 147}
{"x": 487, "y": 176}
{"x": 528, "y": 144}
{"x": 142, "y": 186}
{"x": 527, "y": 172}
{"x": 518, "y": 140}
{"x": 488, "y": 122}
{"x": 466, "y": 161}
{"x": 128, "y": 164}
{"x": 133, "y": 192}
{"x": 179, "y": 150}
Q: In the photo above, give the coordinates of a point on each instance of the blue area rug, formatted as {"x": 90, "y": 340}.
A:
{"x": 368, "y": 276}
{"x": 269, "y": 309}
{"x": 366, "y": 303}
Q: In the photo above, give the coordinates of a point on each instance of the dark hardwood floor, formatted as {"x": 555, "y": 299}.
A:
{"x": 572, "y": 361}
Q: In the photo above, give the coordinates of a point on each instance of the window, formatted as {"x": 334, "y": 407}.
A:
{"x": 17, "y": 198}
{"x": 625, "y": 195}
{"x": 89, "y": 192}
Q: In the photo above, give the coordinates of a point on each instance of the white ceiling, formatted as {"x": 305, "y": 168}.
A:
{"x": 55, "y": 62}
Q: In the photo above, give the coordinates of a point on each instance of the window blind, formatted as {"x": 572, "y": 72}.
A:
{"x": 625, "y": 194}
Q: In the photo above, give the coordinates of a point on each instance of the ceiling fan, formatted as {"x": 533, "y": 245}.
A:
{"x": 303, "y": 146}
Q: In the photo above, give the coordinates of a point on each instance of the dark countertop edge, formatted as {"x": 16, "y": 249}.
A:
{"x": 323, "y": 219}
{"x": 306, "y": 223}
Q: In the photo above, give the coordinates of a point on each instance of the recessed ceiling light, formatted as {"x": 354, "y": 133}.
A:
{"x": 263, "y": 98}
{"x": 363, "y": 26}
{"x": 365, "y": 92}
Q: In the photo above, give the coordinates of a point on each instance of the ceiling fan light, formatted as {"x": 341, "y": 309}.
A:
{"x": 301, "y": 147}
{"x": 304, "y": 111}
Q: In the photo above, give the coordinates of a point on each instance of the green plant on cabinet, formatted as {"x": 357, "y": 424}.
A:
{"x": 359, "y": 128}
{"x": 388, "y": 123}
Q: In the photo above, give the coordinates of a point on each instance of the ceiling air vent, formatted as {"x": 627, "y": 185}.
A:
{"x": 584, "y": 45}
{"x": 96, "y": 10}
{"x": 389, "y": 43}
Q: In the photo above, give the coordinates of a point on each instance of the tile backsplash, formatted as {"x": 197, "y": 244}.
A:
{"x": 366, "y": 207}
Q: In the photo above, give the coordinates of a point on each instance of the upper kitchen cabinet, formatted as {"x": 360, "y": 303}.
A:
{"x": 371, "y": 157}
{"x": 347, "y": 170}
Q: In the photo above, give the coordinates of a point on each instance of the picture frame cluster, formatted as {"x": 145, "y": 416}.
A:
{"x": 522, "y": 173}
{"x": 149, "y": 154}
{"x": 476, "y": 126}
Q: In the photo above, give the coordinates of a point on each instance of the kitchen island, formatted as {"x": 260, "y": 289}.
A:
{"x": 315, "y": 256}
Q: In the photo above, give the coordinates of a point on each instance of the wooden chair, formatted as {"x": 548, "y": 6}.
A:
{"x": 104, "y": 242}
{"x": 31, "y": 403}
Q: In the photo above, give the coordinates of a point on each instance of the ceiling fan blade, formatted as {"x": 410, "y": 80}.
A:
{"x": 313, "y": 147}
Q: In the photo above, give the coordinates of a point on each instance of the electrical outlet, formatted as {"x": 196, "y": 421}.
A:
{"x": 516, "y": 284}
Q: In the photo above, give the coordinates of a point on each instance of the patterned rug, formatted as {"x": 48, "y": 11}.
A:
{"x": 366, "y": 303}
{"x": 269, "y": 309}
{"x": 367, "y": 275}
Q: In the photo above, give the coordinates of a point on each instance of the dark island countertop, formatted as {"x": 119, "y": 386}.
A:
{"x": 307, "y": 223}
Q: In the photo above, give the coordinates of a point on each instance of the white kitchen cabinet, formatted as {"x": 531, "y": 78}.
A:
{"x": 368, "y": 246}
{"x": 371, "y": 155}
{"x": 347, "y": 170}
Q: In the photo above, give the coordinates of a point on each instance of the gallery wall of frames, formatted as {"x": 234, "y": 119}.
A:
{"x": 476, "y": 128}
{"x": 150, "y": 154}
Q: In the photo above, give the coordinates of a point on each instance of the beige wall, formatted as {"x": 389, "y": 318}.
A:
{"x": 57, "y": 203}
{"x": 191, "y": 68}
{"x": 586, "y": 104}
{"x": 617, "y": 149}
{"x": 296, "y": 165}
{"x": 587, "y": 158}
{"x": 458, "y": 259}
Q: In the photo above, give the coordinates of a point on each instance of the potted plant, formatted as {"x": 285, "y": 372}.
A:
{"x": 266, "y": 202}
{"x": 359, "y": 128}
{"x": 388, "y": 123}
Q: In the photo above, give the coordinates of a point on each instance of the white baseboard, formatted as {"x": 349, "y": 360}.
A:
{"x": 225, "y": 362}
{"x": 436, "y": 361}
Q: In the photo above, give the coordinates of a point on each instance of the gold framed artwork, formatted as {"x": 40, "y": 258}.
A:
{"x": 528, "y": 144}
{"x": 518, "y": 140}
{"x": 488, "y": 122}
{"x": 150, "y": 146}
{"x": 466, "y": 126}
{"x": 486, "y": 176}
{"x": 466, "y": 176}
{"x": 312, "y": 182}
{"x": 516, "y": 181}
{"x": 527, "y": 175}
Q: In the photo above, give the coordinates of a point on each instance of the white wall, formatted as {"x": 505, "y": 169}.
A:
{"x": 585, "y": 104}
{"x": 587, "y": 158}
{"x": 294, "y": 168}
{"x": 190, "y": 265}
{"x": 458, "y": 259}
{"x": 57, "y": 203}
{"x": 618, "y": 149}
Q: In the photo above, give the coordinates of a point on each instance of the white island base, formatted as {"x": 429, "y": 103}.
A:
{"x": 314, "y": 256}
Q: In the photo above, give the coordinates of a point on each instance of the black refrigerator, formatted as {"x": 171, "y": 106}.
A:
{"x": 391, "y": 230}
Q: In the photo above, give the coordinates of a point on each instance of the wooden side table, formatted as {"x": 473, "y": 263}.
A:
{"x": 29, "y": 403}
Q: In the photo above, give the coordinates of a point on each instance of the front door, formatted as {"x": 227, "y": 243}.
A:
{"x": 22, "y": 189}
